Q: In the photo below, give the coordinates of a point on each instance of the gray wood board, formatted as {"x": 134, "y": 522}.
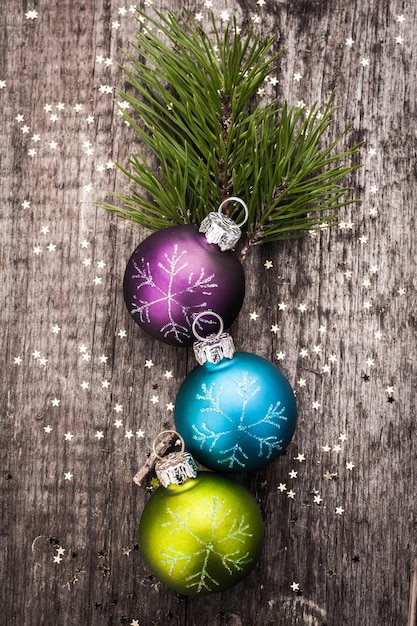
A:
{"x": 337, "y": 313}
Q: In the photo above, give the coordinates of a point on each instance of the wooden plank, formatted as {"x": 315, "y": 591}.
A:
{"x": 82, "y": 401}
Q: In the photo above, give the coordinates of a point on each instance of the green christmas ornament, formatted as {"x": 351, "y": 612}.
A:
{"x": 200, "y": 533}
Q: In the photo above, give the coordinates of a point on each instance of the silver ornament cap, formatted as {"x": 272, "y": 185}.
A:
{"x": 215, "y": 347}
{"x": 175, "y": 468}
{"x": 221, "y": 229}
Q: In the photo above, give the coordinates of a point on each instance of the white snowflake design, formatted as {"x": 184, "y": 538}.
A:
{"x": 235, "y": 456}
{"x": 208, "y": 546}
{"x": 168, "y": 295}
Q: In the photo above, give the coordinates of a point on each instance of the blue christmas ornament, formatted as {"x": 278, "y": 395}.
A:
{"x": 235, "y": 411}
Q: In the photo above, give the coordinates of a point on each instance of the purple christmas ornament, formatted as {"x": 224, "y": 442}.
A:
{"x": 178, "y": 272}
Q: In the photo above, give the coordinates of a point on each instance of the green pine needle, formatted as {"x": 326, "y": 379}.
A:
{"x": 194, "y": 105}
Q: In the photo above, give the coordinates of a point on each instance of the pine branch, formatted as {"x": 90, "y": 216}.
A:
{"x": 194, "y": 106}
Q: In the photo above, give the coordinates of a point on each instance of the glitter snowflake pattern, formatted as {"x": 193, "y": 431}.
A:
{"x": 169, "y": 295}
{"x": 208, "y": 547}
{"x": 247, "y": 390}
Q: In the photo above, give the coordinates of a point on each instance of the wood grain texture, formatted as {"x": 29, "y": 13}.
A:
{"x": 358, "y": 331}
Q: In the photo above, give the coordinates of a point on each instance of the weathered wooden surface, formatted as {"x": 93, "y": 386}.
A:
{"x": 341, "y": 534}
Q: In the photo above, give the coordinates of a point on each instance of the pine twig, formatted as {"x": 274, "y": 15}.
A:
{"x": 194, "y": 104}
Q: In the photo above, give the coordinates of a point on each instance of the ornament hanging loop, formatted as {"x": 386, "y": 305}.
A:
{"x": 239, "y": 201}
{"x": 204, "y": 314}
{"x": 171, "y": 468}
{"x": 161, "y": 435}
{"x": 175, "y": 467}
{"x": 160, "y": 445}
